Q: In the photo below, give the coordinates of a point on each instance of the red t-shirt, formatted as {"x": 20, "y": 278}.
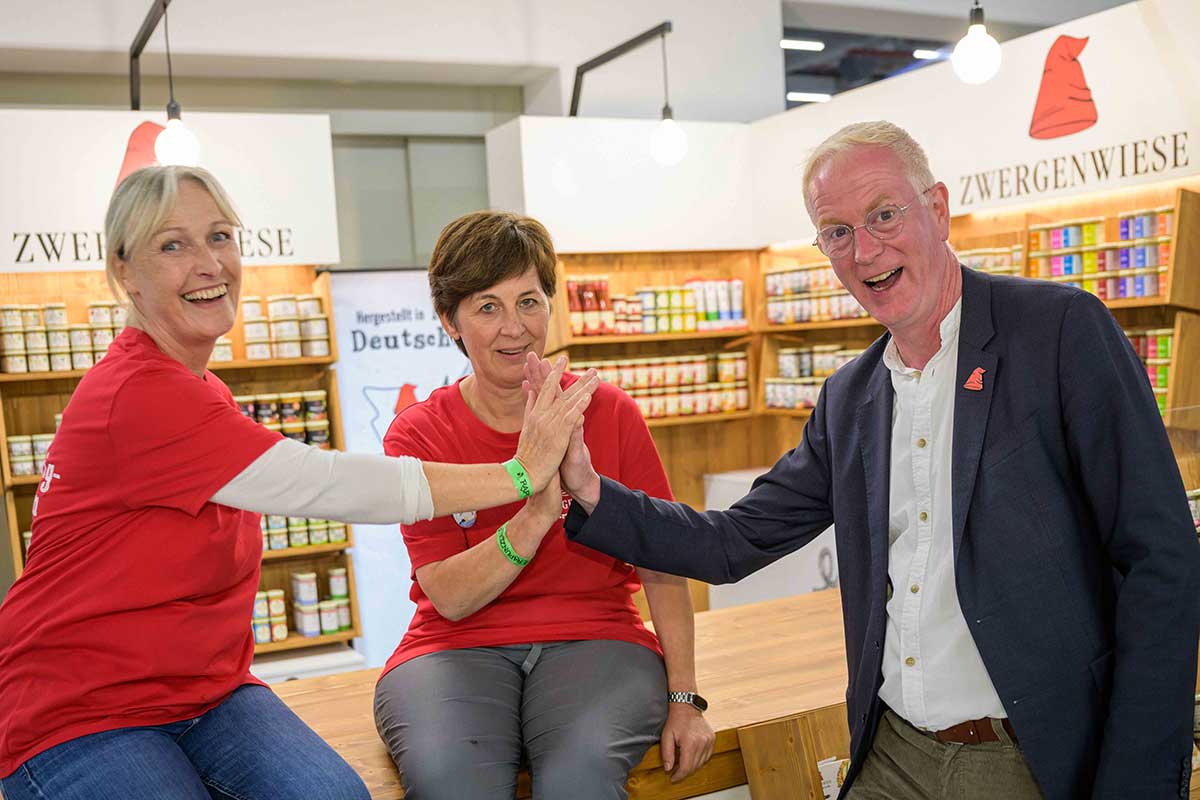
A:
{"x": 135, "y": 604}
{"x": 568, "y": 592}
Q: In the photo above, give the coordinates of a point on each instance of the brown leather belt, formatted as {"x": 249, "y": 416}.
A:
{"x": 973, "y": 731}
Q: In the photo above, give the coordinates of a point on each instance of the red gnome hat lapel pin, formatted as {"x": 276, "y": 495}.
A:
{"x": 975, "y": 382}
{"x": 1064, "y": 103}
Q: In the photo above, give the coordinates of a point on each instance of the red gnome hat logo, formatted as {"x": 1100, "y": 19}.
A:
{"x": 1064, "y": 103}
{"x": 140, "y": 150}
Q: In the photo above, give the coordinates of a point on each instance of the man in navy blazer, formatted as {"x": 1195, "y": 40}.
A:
{"x": 1012, "y": 531}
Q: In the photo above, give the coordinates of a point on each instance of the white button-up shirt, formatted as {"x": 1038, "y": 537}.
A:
{"x": 933, "y": 675}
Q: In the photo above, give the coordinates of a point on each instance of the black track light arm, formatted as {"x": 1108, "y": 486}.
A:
{"x": 157, "y": 9}
{"x": 607, "y": 56}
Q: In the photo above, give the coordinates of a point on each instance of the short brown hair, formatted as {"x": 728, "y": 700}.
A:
{"x": 483, "y": 248}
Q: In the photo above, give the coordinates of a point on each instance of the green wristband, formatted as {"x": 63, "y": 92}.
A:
{"x": 520, "y": 478}
{"x": 506, "y": 548}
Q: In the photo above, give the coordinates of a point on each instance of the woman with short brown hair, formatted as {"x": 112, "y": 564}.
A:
{"x": 524, "y": 647}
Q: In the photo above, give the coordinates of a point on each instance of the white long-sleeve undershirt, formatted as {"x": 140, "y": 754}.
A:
{"x": 296, "y": 480}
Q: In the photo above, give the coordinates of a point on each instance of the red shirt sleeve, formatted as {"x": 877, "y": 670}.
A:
{"x": 179, "y": 438}
{"x": 432, "y": 540}
{"x": 641, "y": 466}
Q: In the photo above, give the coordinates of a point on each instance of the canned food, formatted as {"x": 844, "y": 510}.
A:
{"x": 82, "y": 359}
{"x": 260, "y": 606}
{"x": 222, "y": 350}
{"x": 285, "y": 328}
{"x": 308, "y": 305}
{"x": 345, "y": 620}
{"x": 266, "y": 408}
{"x": 278, "y": 539}
{"x": 258, "y": 349}
{"x": 279, "y": 629}
{"x": 262, "y": 630}
{"x": 282, "y": 305}
{"x": 55, "y": 315}
{"x": 304, "y": 587}
{"x": 251, "y": 308}
{"x": 275, "y": 603}
{"x": 10, "y": 317}
{"x": 317, "y": 433}
{"x": 314, "y": 348}
{"x": 38, "y": 360}
{"x": 294, "y": 430}
{"x": 258, "y": 329}
{"x": 314, "y": 327}
{"x": 337, "y": 533}
{"x": 307, "y": 618}
{"x": 35, "y": 339}
{"x": 338, "y": 584}
{"x": 100, "y": 314}
{"x": 329, "y": 616}
{"x": 20, "y": 446}
{"x": 286, "y": 348}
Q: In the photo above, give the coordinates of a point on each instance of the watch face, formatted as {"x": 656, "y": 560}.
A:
{"x": 699, "y": 702}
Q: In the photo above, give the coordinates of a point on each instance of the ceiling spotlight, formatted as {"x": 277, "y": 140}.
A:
{"x": 808, "y": 97}
{"x": 802, "y": 44}
{"x": 976, "y": 57}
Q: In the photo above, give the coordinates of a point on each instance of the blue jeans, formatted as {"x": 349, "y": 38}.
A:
{"x": 250, "y": 747}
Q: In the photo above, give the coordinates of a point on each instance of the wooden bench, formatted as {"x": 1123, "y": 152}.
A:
{"x": 774, "y": 674}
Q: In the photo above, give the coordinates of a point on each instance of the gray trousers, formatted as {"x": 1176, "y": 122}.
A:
{"x": 905, "y": 764}
{"x": 460, "y": 723}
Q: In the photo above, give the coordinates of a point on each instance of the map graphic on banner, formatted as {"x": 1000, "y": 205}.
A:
{"x": 392, "y": 352}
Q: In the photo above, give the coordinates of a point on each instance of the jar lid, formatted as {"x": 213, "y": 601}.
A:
{"x": 327, "y": 605}
{"x": 307, "y": 297}
{"x": 317, "y": 424}
{"x": 290, "y": 395}
{"x": 304, "y": 576}
{"x": 268, "y": 398}
{"x": 282, "y": 339}
{"x": 81, "y": 327}
{"x": 313, "y": 339}
{"x": 274, "y": 297}
{"x": 275, "y": 592}
{"x": 20, "y": 438}
{"x": 338, "y": 571}
{"x": 315, "y": 394}
{"x": 260, "y": 594}
{"x": 54, "y": 305}
{"x": 244, "y": 398}
{"x": 39, "y": 351}
{"x": 257, "y": 340}
{"x": 10, "y": 306}
{"x": 305, "y": 317}
{"x": 741, "y": 384}
{"x": 293, "y": 427}
{"x": 273, "y": 426}
{"x": 306, "y": 607}
{"x": 60, "y": 351}
{"x": 23, "y": 458}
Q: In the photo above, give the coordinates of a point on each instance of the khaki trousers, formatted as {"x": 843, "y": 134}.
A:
{"x": 906, "y": 764}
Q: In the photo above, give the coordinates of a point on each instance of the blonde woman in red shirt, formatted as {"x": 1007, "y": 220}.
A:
{"x": 125, "y": 645}
{"x": 525, "y": 647}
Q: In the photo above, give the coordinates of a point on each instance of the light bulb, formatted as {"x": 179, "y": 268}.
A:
{"x": 670, "y": 143}
{"x": 976, "y": 57}
{"x": 177, "y": 146}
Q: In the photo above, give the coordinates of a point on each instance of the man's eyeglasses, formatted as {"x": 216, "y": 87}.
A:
{"x": 884, "y": 222}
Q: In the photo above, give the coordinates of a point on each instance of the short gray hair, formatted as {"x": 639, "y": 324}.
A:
{"x": 141, "y": 204}
{"x": 879, "y": 133}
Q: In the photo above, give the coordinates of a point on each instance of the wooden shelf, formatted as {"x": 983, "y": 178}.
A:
{"x": 696, "y": 419}
{"x": 296, "y": 642}
{"x": 221, "y": 366}
{"x": 787, "y": 412}
{"x": 302, "y": 552}
{"x": 216, "y": 366}
{"x": 25, "y": 480}
{"x": 1137, "y": 302}
{"x": 734, "y": 333}
{"x": 833, "y": 324}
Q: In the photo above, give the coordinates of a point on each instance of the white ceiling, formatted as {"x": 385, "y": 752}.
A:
{"x": 1038, "y": 13}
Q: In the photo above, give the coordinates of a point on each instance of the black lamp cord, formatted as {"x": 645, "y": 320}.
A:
{"x": 172, "y": 106}
{"x": 666, "y": 112}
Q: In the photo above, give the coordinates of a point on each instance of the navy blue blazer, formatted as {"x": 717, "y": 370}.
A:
{"x": 1076, "y": 563}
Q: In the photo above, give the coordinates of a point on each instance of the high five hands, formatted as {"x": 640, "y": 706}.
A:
{"x": 576, "y": 473}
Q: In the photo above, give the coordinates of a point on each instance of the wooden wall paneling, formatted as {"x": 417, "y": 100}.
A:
{"x": 1183, "y": 386}
{"x": 333, "y": 407}
{"x": 773, "y": 753}
{"x": 12, "y": 556}
{"x": 1186, "y": 446}
{"x": 1184, "y": 273}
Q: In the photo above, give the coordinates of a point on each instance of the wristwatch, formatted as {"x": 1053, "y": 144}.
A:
{"x": 691, "y": 698}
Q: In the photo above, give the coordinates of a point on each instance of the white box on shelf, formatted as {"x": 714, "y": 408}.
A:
{"x": 810, "y": 569}
{"x": 327, "y": 659}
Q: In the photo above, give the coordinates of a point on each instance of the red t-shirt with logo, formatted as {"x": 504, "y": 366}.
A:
{"x": 568, "y": 592}
{"x": 135, "y": 604}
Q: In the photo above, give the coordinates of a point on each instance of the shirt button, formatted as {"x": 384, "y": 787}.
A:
{"x": 914, "y": 588}
{"x": 912, "y": 662}
{"x": 921, "y": 443}
{"x": 924, "y": 516}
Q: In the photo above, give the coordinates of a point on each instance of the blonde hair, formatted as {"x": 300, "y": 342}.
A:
{"x": 141, "y": 204}
{"x": 879, "y": 133}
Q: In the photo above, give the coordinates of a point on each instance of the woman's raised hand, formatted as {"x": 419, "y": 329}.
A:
{"x": 551, "y": 414}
